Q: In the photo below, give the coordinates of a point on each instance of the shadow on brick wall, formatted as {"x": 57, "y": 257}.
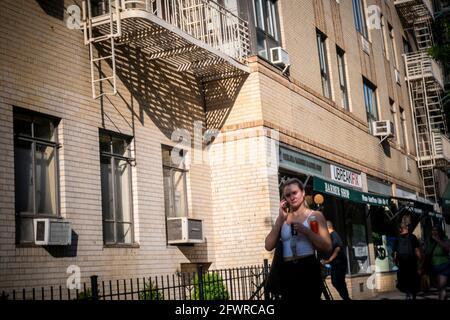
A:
{"x": 170, "y": 98}
{"x": 54, "y": 8}
{"x": 64, "y": 251}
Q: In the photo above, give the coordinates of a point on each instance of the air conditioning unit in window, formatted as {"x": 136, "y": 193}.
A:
{"x": 397, "y": 76}
{"x": 383, "y": 128}
{"x": 184, "y": 230}
{"x": 279, "y": 56}
{"x": 52, "y": 232}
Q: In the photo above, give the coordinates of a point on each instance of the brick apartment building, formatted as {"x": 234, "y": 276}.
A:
{"x": 94, "y": 96}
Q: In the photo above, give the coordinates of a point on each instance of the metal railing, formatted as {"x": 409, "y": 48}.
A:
{"x": 243, "y": 283}
{"x": 421, "y": 65}
{"x": 442, "y": 146}
{"x": 204, "y": 20}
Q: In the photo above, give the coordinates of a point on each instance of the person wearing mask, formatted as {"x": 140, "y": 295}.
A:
{"x": 300, "y": 273}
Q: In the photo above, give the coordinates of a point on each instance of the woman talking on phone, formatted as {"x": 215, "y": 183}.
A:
{"x": 302, "y": 231}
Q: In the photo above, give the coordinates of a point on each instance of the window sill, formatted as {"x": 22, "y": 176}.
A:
{"x": 126, "y": 246}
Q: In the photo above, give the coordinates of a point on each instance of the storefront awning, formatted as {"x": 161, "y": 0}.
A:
{"x": 337, "y": 190}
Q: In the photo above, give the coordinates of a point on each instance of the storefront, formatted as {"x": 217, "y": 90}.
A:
{"x": 345, "y": 203}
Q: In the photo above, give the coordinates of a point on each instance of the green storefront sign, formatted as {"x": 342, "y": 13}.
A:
{"x": 337, "y": 190}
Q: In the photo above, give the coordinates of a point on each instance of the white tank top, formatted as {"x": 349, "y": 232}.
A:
{"x": 298, "y": 245}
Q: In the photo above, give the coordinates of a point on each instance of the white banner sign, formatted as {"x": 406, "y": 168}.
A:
{"x": 345, "y": 176}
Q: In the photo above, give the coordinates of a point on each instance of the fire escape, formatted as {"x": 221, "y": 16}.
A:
{"x": 197, "y": 36}
{"x": 425, "y": 84}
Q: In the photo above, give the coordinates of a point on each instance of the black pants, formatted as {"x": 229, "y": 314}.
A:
{"x": 338, "y": 281}
{"x": 301, "y": 279}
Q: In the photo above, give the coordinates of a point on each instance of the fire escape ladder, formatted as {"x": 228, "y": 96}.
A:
{"x": 102, "y": 46}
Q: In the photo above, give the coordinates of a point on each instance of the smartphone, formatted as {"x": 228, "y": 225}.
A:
{"x": 286, "y": 205}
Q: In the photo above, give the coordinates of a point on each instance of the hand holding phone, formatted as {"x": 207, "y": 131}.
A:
{"x": 284, "y": 209}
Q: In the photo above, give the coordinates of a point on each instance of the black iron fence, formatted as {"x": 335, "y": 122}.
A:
{"x": 244, "y": 283}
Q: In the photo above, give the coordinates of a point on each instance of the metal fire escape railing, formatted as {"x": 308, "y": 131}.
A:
{"x": 199, "y": 36}
{"x": 425, "y": 84}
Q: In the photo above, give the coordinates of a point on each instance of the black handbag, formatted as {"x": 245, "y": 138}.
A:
{"x": 273, "y": 281}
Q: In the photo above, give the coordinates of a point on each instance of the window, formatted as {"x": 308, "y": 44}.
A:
{"x": 403, "y": 129}
{"x": 115, "y": 164}
{"x": 359, "y": 17}
{"x": 395, "y": 122}
{"x": 392, "y": 44}
{"x": 175, "y": 191}
{"x": 383, "y": 38}
{"x": 342, "y": 78}
{"x": 406, "y": 49}
{"x": 370, "y": 101}
{"x": 322, "y": 49}
{"x": 35, "y": 171}
{"x": 266, "y": 23}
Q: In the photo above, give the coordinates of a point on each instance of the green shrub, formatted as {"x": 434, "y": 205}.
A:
{"x": 150, "y": 292}
{"x": 213, "y": 287}
{"x": 86, "y": 295}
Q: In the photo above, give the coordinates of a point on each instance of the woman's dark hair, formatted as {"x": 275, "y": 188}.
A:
{"x": 292, "y": 181}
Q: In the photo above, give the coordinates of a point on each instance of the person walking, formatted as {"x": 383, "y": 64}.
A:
{"x": 408, "y": 258}
{"x": 438, "y": 252}
{"x": 338, "y": 262}
{"x": 300, "y": 271}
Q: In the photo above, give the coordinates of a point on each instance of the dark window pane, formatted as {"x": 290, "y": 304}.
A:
{"x": 108, "y": 232}
{"x": 22, "y": 125}
{"x": 45, "y": 179}
{"x": 105, "y": 143}
{"x": 166, "y": 157}
{"x": 119, "y": 146}
{"x": 259, "y": 14}
{"x": 107, "y": 189}
{"x": 261, "y": 44}
{"x": 44, "y": 129}
{"x": 23, "y": 171}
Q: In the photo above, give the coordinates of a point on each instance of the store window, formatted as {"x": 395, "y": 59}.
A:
{"x": 384, "y": 233}
{"x": 35, "y": 170}
{"x": 115, "y": 166}
{"x": 266, "y": 23}
{"x": 175, "y": 186}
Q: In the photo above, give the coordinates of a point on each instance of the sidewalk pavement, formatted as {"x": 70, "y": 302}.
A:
{"x": 397, "y": 295}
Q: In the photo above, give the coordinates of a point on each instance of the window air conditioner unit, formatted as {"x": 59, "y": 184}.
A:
{"x": 183, "y": 230}
{"x": 52, "y": 232}
{"x": 384, "y": 128}
{"x": 278, "y": 56}
{"x": 397, "y": 76}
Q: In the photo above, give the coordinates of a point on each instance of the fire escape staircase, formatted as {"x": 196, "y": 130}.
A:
{"x": 197, "y": 36}
{"x": 424, "y": 78}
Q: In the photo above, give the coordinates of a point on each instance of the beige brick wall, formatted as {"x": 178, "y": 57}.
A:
{"x": 305, "y": 63}
{"x": 45, "y": 68}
